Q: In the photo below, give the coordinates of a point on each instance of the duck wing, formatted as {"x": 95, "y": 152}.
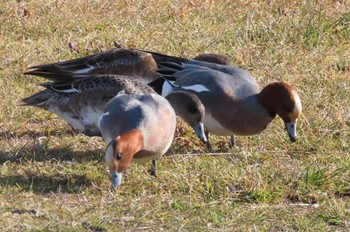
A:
{"x": 134, "y": 63}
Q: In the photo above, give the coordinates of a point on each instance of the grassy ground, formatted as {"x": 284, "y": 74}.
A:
{"x": 53, "y": 178}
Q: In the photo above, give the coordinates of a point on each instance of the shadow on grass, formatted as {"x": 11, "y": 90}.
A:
{"x": 34, "y": 153}
{"x": 42, "y": 184}
{"x": 36, "y": 134}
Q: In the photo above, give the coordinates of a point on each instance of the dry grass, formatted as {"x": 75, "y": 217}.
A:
{"x": 53, "y": 178}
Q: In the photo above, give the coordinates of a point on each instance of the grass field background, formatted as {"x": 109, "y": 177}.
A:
{"x": 54, "y": 178}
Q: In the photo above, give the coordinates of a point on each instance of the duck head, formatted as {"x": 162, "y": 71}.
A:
{"x": 282, "y": 99}
{"x": 119, "y": 154}
{"x": 188, "y": 106}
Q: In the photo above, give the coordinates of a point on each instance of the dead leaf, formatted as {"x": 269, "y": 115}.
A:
{"x": 117, "y": 45}
{"x": 184, "y": 54}
{"x": 102, "y": 48}
{"x": 25, "y": 13}
{"x": 74, "y": 47}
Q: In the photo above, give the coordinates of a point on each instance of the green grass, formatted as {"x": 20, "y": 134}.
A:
{"x": 54, "y": 178}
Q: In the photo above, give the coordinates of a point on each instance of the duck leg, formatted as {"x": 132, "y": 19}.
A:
{"x": 152, "y": 170}
{"x": 232, "y": 141}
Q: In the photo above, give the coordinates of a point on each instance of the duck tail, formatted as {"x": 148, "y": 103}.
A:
{"x": 49, "y": 72}
{"x": 60, "y": 71}
{"x": 38, "y": 99}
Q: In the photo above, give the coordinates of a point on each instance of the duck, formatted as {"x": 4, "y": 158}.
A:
{"x": 234, "y": 102}
{"x": 80, "y": 100}
{"x": 137, "y": 128}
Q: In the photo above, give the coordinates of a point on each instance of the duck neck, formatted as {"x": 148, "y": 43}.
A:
{"x": 267, "y": 100}
{"x": 185, "y": 105}
{"x": 175, "y": 102}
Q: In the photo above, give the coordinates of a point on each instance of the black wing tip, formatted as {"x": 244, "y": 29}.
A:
{"x": 52, "y": 76}
{"x": 26, "y": 102}
{"x": 167, "y": 75}
{"x": 46, "y": 84}
{"x": 39, "y": 99}
{"x": 167, "y": 69}
{"x": 36, "y": 72}
{"x": 171, "y": 65}
{"x": 33, "y": 100}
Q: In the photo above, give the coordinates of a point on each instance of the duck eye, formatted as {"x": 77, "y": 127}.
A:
{"x": 118, "y": 156}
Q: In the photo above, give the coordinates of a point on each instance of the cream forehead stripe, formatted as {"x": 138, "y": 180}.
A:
{"x": 297, "y": 106}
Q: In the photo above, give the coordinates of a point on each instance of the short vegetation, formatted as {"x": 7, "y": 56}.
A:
{"x": 53, "y": 178}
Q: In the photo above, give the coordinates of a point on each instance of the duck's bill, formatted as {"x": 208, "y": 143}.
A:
{"x": 116, "y": 179}
{"x": 292, "y": 131}
{"x": 199, "y": 129}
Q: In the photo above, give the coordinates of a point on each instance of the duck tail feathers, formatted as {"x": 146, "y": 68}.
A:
{"x": 38, "y": 99}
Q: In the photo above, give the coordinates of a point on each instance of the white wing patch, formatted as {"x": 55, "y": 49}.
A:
{"x": 168, "y": 87}
{"x": 197, "y": 88}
